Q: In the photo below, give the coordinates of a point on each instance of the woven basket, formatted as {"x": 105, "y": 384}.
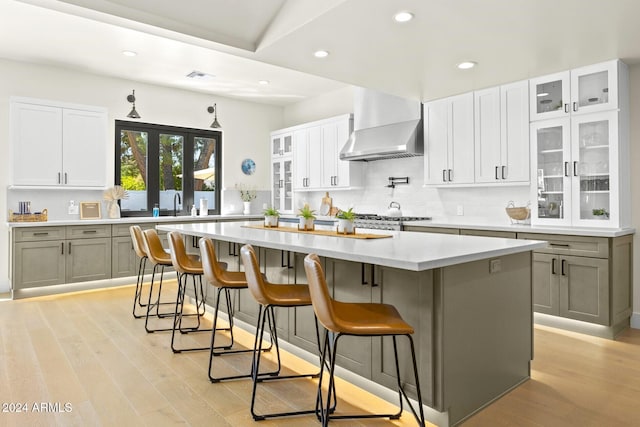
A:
{"x": 31, "y": 217}
{"x": 518, "y": 213}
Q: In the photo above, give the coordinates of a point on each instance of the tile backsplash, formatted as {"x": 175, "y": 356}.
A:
{"x": 486, "y": 203}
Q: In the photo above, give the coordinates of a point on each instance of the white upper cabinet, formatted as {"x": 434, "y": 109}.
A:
{"x": 449, "y": 135}
{"x": 282, "y": 171}
{"x": 281, "y": 144}
{"x": 56, "y": 146}
{"x": 502, "y": 134}
{"x": 582, "y": 90}
{"x": 317, "y": 163}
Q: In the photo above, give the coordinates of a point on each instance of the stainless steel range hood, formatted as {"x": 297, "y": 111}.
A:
{"x": 385, "y": 127}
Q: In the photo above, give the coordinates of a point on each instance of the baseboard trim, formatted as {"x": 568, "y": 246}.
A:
{"x": 635, "y": 320}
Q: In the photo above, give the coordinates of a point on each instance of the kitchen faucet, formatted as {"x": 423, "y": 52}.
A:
{"x": 177, "y": 197}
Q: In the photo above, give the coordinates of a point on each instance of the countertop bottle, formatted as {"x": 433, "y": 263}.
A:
{"x": 156, "y": 210}
{"x": 194, "y": 211}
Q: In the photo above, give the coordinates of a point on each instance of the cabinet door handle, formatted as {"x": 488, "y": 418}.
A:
{"x": 373, "y": 276}
{"x": 59, "y": 178}
{"x": 41, "y": 233}
{"x": 363, "y": 281}
{"x": 566, "y": 168}
{"x": 553, "y": 266}
{"x": 496, "y": 172}
{"x": 450, "y": 174}
{"x": 575, "y": 168}
{"x": 560, "y": 245}
{"x": 566, "y": 108}
{"x": 89, "y": 231}
{"x": 575, "y": 106}
{"x": 444, "y": 175}
{"x": 69, "y": 248}
{"x": 289, "y": 260}
{"x": 280, "y": 183}
{"x": 504, "y": 175}
{"x": 62, "y": 248}
{"x": 564, "y": 262}
{"x": 65, "y": 178}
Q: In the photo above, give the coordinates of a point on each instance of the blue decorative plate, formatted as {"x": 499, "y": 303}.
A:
{"x": 248, "y": 166}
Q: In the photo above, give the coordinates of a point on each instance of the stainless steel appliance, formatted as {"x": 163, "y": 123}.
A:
{"x": 381, "y": 222}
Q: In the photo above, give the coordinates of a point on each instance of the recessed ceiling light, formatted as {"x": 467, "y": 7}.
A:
{"x": 543, "y": 94}
{"x": 403, "y": 16}
{"x": 321, "y": 54}
{"x": 467, "y": 65}
{"x": 129, "y": 53}
{"x": 264, "y": 82}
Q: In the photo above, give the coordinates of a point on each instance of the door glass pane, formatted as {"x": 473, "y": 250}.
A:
{"x": 204, "y": 171}
{"x": 593, "y": 168}
{"x": 170, "y": 169}
{"x": 276, "y": 146}
{"x": 288, "y": 186}
{"x": 593, "y": 89}
{"x": 549, "y": 96}
{"x": 277, "y": 176}
{"x": 287, "y": 144}
{"x": 133, "y": 169}
{"x": 550, "y": 178}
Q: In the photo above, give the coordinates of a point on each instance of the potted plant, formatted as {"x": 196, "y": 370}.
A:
{"x": 306, "y": 218}
{"x": 345, "y": 221}
{"x": 271, "y": 216}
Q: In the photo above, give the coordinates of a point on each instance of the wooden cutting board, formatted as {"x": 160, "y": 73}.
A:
{"x": 322, "y": 232}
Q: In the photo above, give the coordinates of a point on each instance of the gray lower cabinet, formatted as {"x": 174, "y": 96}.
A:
{"x": 88, "y": 259}
{"x": 39, "y": 263}
{"x": 584, "y": 278}
{"x": 302, "y": 326}
{"x": 44, "y": 256}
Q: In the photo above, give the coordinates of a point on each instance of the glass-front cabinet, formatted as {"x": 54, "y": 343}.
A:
{"x": 576, "y": 171}
{"x": 282, "y": 171}
{"x": 582, "y": 90}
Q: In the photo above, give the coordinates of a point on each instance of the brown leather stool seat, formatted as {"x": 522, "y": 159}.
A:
{"x": 268, "y": 296}
{"x": 225, "y": 281}
{"x": 357, "y": 319}
{"x": 186, "y": 266}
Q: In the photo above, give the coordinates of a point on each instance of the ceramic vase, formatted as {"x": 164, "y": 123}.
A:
{"x": 345, "y": 226}
{"x": 247, "y": 208}
{"x": 271, "y": 221}
{"x": 113, "y": 209}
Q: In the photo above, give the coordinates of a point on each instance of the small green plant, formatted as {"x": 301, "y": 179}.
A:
{"x": 349, "y": 215}
{"x": 601, "y": 212}
{"x": 307, "y": 213}
{"x": 270, "y": 211}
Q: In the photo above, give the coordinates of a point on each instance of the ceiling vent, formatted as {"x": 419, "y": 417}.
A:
{"x": 199, "y": 75}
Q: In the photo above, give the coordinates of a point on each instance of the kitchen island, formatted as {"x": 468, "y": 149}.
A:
{"x": 468, "y": 298}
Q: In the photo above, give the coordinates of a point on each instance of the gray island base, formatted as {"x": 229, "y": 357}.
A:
{"x": 468, "y": 298}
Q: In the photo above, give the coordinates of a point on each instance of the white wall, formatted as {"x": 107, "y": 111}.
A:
{"x": 634, "y": 141}
{"x": 246, "y": 128}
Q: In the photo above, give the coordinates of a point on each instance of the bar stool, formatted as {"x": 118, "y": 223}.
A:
{"x": 186, "y": 266}
{"x": 160, "y": 259}
{"x": 137, "y": 240}
{"x": 356, "y": 319}
{"x": 268, "y": 296}
{"x": 224, "y": 281}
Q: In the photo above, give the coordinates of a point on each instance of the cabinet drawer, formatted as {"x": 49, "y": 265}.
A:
{"x": 441, "y": 230}
{"x": 122, "y": 230}
{"x": 597, "y": 247}
{"x": 33, "y": 234}
{"x": 88, "y": 231}
{"x": 489, "y": 233}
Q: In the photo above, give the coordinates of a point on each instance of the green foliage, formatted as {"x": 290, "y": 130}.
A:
{"x": 133, "y": 183}
{"x": 307, "y": 212}
{"x": 271, "y": 211}
{"x": 348, "y": 215}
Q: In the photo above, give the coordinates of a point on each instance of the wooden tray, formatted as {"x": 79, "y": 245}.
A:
{"x": 34, "y": 217}
{"x": 322, "y": 232}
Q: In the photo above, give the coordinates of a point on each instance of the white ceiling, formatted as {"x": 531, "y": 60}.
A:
{"x": 244, "y": 41}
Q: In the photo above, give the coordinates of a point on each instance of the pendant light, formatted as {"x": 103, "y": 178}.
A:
{"x": 132, "y": 99}
{"x": 213, "y": 109}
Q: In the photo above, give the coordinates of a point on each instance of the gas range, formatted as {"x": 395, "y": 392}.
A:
{"x": 381, "y": 222}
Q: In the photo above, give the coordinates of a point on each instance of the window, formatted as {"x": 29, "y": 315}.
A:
{"x": 154, "y": 162}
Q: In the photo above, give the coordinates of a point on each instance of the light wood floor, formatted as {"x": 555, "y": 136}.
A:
{"x": 85, "y": 349}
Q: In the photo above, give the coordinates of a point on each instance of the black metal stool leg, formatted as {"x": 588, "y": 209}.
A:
{"x": 267, "y": 316}
{"x": 137, "y": 298}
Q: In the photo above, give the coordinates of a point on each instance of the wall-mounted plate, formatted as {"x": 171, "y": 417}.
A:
{"x": 248, "y": 167}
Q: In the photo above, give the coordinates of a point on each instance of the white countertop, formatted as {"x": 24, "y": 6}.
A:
{"x": 135, "y": 220}
{"x": 482, "y": 224}
{"x": 405, "y": 250}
